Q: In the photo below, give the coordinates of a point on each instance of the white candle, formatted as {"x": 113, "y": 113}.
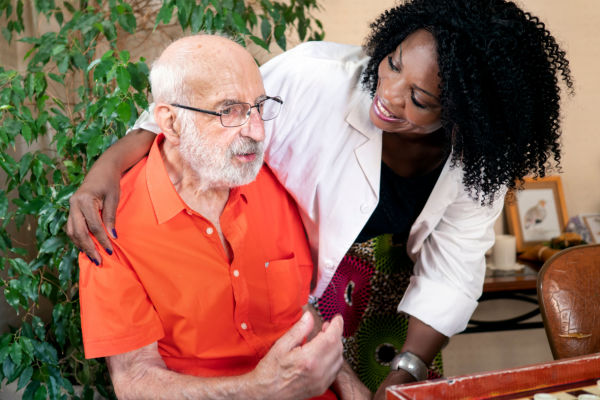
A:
{"x": 504, "y": 254}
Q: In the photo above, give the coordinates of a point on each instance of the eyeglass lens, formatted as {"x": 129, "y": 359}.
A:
{"x": 238, "y": 114}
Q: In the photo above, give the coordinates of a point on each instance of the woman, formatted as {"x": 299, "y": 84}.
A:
{"x": 399, "y": 157}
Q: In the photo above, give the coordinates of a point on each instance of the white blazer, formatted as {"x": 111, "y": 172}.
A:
{"x": 327, "y": 153}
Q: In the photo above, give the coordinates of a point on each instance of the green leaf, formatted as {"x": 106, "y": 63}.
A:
{"x": 32, "y": 388}
{"x": 280, "y": 36}
{"x": 52, "y": 244}
{"x": 25, "y": 378}
{"x": 15, "y": 353}
{"x": 123, "y": 78}
{"x": 3, "y": 204}
{"x": 184, "y": 11}
{"x": 259, "y": 42}
{"x": 27, "y": 345}
{"x": 24, "y": 164}
{"x": 197, "y": 19}
{"x": 80, "y": 60}
{"x": 20, "y": 266}
{"x": 240, "y": 23}
{"x": 124, "y": 111}
{"x": 27, "y": 134}
{"x": 127, "y": 22}
{"x": 14, "y": 298}
{"x": 9, "y": 369}
{"x": 265, "y": 29}
{"x": 40, "y": 393}
{"x": 124, "y": 56}
{"x": 65, "y": 270}
{"x": 165, "y": 14}
{"x": 46, "y": 352}
{"x": 37, "y": 167}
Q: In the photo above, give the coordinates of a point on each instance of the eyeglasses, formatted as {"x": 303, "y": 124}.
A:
{"x": 238, "y": 114}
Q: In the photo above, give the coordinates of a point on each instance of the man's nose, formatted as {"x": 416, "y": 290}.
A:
{"x": 254, "y": 128}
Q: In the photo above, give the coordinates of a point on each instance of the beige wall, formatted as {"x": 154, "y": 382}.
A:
{"x": 576, "y": 25}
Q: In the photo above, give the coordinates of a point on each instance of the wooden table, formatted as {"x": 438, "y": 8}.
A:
{"x": 564, "y": 378}
{"x": 513, "y": 285}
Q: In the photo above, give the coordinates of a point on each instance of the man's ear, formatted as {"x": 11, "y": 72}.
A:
{"x": 166, "y": 118}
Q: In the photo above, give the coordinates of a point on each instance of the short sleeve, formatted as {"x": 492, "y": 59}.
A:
{"x": 116, "y": 313}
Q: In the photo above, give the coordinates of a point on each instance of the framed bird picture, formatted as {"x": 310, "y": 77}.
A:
{"x": 536, "y": 212}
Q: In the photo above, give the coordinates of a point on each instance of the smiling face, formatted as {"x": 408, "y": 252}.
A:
{"x": 407, "y": 96}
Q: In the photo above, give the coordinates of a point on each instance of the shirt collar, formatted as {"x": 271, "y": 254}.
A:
{"x": 165, "y": 200}
{"x": 358, "y": 116}
{"x": 164, "y": 197}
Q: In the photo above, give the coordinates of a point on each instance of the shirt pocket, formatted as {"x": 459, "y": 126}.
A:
{"x": 284, "y": 284}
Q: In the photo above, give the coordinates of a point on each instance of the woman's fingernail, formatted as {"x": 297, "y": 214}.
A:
{"x": 93, "y": 260}
{"x": 109, "y": 251}
{"x": 114, "y": 232}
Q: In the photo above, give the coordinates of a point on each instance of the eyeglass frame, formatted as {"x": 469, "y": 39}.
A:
{"x": 220, "y": 115}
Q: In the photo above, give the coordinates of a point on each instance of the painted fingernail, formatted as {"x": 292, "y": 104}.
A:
{"x": 93, "y": 260}
{"x": 109, "y": 251}
{"x": 114, "y": 232}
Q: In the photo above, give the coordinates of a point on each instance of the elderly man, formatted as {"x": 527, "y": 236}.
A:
{"x": 204, "y": 295}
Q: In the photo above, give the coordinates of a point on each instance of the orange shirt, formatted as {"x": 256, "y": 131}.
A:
{"x": 169, "y": 279}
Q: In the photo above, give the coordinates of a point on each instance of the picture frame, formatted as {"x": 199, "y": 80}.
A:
{"x": 536, "y": 212}
{"x": 592, "y": 222}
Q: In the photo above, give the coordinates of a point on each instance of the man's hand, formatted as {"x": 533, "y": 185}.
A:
{"x": 292, "y": 370}
{"x": 98, "y": 193}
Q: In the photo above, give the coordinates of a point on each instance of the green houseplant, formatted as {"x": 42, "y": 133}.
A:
{"x": 79, "y": 91}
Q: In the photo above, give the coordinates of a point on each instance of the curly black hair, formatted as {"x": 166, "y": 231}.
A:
{"x": 499, "y": 68}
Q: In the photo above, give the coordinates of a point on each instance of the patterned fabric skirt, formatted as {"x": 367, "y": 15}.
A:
{"x": 366, "y": 289}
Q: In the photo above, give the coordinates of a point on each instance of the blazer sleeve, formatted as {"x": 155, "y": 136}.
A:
{"x": 450, "y": 267}
{"x": 146, "y": 121}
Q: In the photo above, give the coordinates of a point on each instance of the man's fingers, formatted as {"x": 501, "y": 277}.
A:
{"x": 334, "y": 327}
{"x": 109, "y": 210}
{"x": 328, "y": 343}
{"x": 296, "y": 335}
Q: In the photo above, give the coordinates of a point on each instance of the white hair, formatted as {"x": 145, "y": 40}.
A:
{"x": 169, "y": 75}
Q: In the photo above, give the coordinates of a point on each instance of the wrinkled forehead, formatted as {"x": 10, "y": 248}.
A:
{"x": 234, "y": 75}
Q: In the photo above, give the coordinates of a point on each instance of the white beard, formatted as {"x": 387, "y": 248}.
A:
{"x": 213, "y": 164}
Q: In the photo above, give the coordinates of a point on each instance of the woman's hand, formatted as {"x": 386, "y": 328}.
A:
{"x": 99, "y": 193}
{"x": 394, "y": 378}
{"x": 423, "y": 341}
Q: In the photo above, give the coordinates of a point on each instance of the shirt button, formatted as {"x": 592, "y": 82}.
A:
{"x": 267, "y": 264}
{"x": 189, "y": 212}
{"x": 236, "y": 273}
{"x": 364, "y": 208}
{"x": 209, "y": 230}
{"x": 244, "y": 326}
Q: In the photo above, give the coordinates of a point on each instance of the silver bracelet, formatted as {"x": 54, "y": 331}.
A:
{"x": 410, "y": 363}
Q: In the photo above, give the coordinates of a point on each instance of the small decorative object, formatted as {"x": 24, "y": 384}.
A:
{"x": 542, "y": 252}
{"x": 536, "y": 212}
{"x": 504, "y": 253}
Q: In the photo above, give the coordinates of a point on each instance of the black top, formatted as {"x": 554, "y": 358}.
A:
{"x": 401, "y": 200}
